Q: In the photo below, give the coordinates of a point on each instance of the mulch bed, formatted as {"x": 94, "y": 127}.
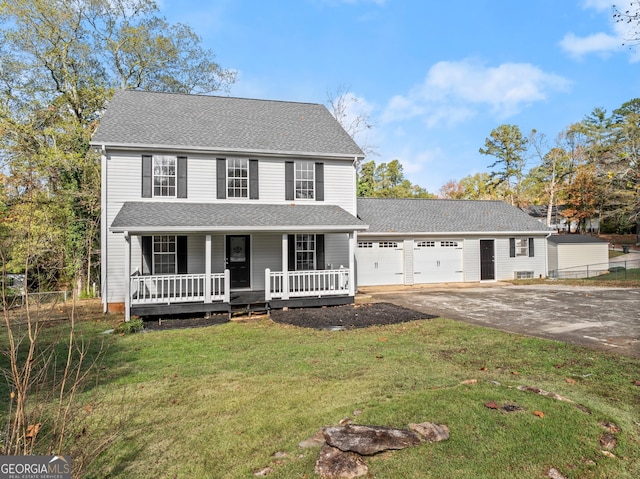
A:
{"x": 348, "y": 316}
{"x": 333, "y": 317}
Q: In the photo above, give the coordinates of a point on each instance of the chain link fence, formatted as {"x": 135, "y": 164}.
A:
{"x": 628, "y": 270}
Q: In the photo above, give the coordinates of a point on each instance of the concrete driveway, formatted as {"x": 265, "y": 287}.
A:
{"x": 603, "y": 318}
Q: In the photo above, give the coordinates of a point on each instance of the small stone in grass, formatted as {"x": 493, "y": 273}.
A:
{"x": 553, "y": 473}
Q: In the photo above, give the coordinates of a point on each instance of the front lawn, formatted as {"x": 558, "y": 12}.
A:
{"x": 221, "y": 401}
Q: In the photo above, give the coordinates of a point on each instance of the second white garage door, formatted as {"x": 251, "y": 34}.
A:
{"x": 380, "y": 262}
{"x": 437, "y": 261}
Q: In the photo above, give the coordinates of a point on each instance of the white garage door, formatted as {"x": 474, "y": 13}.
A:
{"x": 380, "y": 262}
{"x": 437, "y": 261}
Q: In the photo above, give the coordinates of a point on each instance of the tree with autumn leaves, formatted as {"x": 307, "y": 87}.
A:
{"x": 591, "y": 170}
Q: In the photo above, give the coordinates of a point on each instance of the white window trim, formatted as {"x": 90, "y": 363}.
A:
{"x": 175, "y": 253}
{"x": 522, "y": 247}
{"x": 162, "y": 159}
{"x": 246, "y": 187}
{"x": 309, "y": 167}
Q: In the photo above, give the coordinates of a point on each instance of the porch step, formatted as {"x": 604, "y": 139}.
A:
{"x": 248, "y": 309}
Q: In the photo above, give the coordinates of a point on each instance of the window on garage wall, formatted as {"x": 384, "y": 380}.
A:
{"x": 521, "y": 247}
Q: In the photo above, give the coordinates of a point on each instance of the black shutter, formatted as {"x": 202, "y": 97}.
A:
{"x": 253, "y": 180}
{"x": 531, "y": 247}
{"x": 292, "y": 253}
{"x": 289, "y": 187}
{"x": 147, "y": 254}
{"x": 221, "y": 178}
{"x": 512, "y": 247}
{"x": 320, "y": 252}
{"x": 182, "y": 177}
{"x": 147, "y": 176}
{"x": 181, "y": 249}
{"x": 319, "y": 181}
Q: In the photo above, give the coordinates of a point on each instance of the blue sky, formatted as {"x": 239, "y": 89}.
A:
{"x": 435, "y": 77}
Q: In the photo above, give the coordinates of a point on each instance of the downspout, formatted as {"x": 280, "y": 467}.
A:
{"x": 103, "y": 231}
{"x": 546, "y": 254}
{"x": 355, "y": 183}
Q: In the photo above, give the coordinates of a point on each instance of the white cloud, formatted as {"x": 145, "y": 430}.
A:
{"x": 596, "y": 43}
{"x": 453, "y": 92}
{"x": 603, "y": 43}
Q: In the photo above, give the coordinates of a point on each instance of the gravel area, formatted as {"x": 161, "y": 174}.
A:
{"x": 334, "y": 317}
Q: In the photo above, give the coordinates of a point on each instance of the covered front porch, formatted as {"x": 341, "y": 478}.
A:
{"x": 182, "y": 269}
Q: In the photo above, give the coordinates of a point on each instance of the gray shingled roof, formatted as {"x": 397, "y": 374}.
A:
{"x": 438, "y": 216}
{"x": 169, "y": 120}
{"x": 176, "y": 217}
{"x": 574, "y": 239}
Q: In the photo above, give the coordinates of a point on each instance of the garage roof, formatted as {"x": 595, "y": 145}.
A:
{"x": 574, "y": 239}
{"x": 143, "y": 217}
{"x": 384, "y": 215}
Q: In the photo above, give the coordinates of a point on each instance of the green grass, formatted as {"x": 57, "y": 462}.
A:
{"x": 631, "y": 274}
{"x": 220, "y": 401}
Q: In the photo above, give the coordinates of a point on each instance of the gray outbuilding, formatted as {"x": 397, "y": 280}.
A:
{"x": 577, "y": 256}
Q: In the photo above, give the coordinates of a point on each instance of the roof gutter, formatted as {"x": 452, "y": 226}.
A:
{"x": 237, "y": 229}
{"x": 453, "y": 233}
{"x": 225, "y": 151}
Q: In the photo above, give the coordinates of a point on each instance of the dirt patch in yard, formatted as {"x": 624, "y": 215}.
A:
{"x": 348, "y": 316}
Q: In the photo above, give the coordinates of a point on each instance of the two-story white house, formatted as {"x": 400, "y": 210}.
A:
{"x": 209, "y": 201}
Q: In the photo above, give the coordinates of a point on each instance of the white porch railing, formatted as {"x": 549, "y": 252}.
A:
{"x": 179, "y": 288}
{"x": 296, "y": 284}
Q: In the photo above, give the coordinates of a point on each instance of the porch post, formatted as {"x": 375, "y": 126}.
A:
{"x": 227, "y": 286}
{"x": 352, "y": 263}
{"x": 285, "y": 266}
{"x": 127, "y": 277}
{"x": 207, "y": 269}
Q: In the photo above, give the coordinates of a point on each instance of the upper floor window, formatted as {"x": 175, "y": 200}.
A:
{"x": 164, "y": 176}
{"x": 237, "y": 178}
{"x": 305, "y": 179}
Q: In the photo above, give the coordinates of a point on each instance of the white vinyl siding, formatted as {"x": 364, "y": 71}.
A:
{"x": 471, "y": 259}
{"x": 196, "y": 254}
{"x": 506, "y": 266}
{"x": 124, "y": 183}
{"x": 267, "y": 253}
{"x": 336, "y": 251}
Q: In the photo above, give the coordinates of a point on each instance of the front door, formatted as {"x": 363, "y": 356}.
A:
{"x": 238, "y": 264}
{"x": 487, "y": 260}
